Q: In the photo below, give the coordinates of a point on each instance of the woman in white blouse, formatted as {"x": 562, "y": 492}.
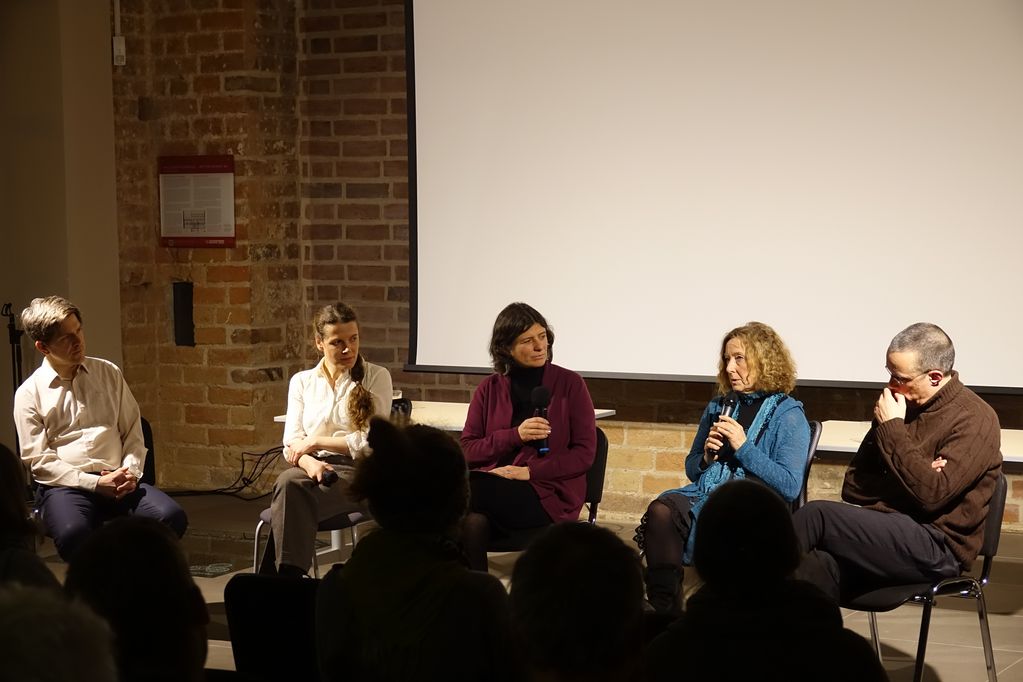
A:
{"x": 329, "y": 408}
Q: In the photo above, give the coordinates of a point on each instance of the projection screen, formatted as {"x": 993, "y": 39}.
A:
{"x": 651, "y": 174}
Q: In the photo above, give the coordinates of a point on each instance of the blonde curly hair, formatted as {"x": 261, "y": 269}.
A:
{"x": 767, "y": 356}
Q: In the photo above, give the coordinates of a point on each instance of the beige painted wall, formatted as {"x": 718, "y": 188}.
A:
{"x": 59, "y": 231}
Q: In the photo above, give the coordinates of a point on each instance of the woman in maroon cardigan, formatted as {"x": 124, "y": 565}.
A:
{"x": 513, "y": 486}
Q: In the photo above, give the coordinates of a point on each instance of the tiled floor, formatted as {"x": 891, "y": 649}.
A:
{"x": 954, "y": 647}
{"x": 222, "y": 530}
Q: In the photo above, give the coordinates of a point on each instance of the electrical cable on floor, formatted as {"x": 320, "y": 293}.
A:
{"x": 263, "y": 461}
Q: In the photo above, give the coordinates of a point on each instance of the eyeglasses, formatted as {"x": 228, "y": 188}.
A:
{"x": 894, "y": 378}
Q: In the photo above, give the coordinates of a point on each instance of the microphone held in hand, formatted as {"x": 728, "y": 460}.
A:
{"x": 328, "y": 478}
{"x": 541, "y": 398}
{"x": 728, "y": 408}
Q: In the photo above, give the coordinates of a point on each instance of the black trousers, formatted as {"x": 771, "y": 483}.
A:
{"x": 509, "y": 505}
{"x": 850, "y": 549}
{"x": 499, "y": 508}
{"x": 70, "y": 514}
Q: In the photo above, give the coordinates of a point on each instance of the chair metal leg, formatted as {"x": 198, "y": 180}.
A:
{"x": 921, "y": 647}
{"x": 874, "y": 638}
{"x": 985, "y": 636}
{"x": 255, "y": 547}
{"x": 336, "y": 541}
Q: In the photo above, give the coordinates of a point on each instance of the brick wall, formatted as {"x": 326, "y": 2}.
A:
{"x": 309, "y": 97}
{"x": 210, "y": 77}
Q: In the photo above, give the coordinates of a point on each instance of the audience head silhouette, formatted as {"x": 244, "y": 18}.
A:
{"x": 48, "y": 638}
{"x": 576, "y": 599}
{"x": 746, "y": 538}
{"x": 746, "y": 552}
{"x": 133, "y": 572}
{"x": 415, "y": 480}
{"x": 19, "y": 562}
{"x": 15, "y": 525}
{"x": 405, "y": 606}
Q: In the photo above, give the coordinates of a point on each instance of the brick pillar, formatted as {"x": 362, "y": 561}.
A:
{"x": 210, "y": 80}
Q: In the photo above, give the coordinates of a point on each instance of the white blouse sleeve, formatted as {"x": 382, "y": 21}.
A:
{"x": 296, "y": 401}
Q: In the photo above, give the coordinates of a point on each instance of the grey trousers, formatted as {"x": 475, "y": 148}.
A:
{"x": 298, "y": 505}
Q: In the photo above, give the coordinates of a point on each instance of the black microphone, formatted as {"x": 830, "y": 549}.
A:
{"x": 541, "y": 398}
{"x": 727, "y": 410}
{"x": 731, "y": 400}
{"x": 328, "y": 478}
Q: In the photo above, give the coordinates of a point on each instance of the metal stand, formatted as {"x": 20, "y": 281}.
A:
{"x": 14, "y": 336}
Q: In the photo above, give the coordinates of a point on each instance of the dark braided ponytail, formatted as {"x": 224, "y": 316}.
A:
{"x": 360, "y": 400}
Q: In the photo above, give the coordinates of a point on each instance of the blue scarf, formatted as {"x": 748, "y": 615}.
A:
{"x": 720, "y": 472}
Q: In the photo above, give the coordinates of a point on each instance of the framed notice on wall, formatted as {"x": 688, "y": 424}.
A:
{"x": 196, "y": 201}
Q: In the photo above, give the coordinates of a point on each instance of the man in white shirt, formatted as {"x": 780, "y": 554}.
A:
{"x": 80, "y": 434}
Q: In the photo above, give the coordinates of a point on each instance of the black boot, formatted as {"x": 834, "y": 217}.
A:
{"x": 663, "y": 583}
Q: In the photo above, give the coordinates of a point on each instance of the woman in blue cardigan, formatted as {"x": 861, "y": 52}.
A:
{"x": 765, "y": 438}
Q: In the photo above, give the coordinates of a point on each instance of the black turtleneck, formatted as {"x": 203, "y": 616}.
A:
{"x": 747, "y": 411}
{"x": 523, "y": 381}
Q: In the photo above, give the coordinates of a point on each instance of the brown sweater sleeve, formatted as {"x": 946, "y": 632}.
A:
{"x": 864, "y": 478}
{"x": 966, "y": 445}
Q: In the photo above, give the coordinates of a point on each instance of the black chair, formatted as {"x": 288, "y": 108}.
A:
{"x": 594, "y": 494}
{"x": 149, "y": 468}
{"x": 815, "y": 437}
{"x": 255, "y": 605}
{"x": 965, "y": 586}
{"x": 334, "y": 524}
{"x": 595, "y": 477}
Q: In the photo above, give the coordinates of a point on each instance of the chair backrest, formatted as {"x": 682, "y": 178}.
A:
{"x": 815, "y": 438}
{"x": 993, "y": 526}
{"x": 595, "y": 476}
{"x": 149, "y": 468}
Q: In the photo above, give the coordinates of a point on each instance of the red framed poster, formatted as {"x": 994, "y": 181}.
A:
{"x": 196, "y": 201}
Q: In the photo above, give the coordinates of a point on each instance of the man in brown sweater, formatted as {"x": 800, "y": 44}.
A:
{"x": 919, "y": 485}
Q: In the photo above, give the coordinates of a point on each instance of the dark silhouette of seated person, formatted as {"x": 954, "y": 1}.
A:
{"x": 406, "y": 606}
{"x": 133, "y": 573}
{"x": 751, "y": 619}
{"x": 19, "y": 562}
{"x": 577, "y": 605}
